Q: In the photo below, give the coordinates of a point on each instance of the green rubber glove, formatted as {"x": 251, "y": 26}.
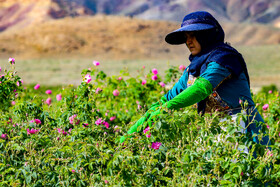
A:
{"x": 154, "y": 106}
{"x": 154, "y": 116}
{"x": 134, "y": 128}
{"x": 201, "y": 89}
{"x": 139, "y": 125}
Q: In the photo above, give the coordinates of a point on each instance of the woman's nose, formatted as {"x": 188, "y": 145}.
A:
{"x": 189, "y": 40}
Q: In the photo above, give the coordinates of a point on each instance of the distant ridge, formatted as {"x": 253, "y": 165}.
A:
{"x": 21, "y": 13}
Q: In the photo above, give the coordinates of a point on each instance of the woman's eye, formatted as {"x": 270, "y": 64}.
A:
{"x": 189, "y": 35}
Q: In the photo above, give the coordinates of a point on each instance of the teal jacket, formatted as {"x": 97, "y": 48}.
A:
{"x": 230, "y": 91}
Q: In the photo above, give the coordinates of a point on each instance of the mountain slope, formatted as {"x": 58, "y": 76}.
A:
{"x": 21, "y": 13}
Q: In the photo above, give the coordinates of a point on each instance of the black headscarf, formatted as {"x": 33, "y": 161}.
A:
{"x": 215, "y": 50}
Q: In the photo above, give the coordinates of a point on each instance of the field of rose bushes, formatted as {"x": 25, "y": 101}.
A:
{"x": 68, "y": 136}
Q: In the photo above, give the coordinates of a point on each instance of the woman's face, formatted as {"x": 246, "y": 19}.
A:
{"x": 192, "y": 43}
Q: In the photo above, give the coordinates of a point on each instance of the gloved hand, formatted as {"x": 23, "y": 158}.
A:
{"x": 154, "y": 106}
{"x": 148, "y": 116}
{"x": 154, "y": 116}
{"x": 134, "y": 128}
{"x": 191, "y": 95}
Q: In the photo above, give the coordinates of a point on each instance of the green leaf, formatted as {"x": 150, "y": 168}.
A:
{"x": 231, "y": 130}
{"x": 227, "y": 176}
{"x": 28, "y": 179}
{"x": 158, "y": 125}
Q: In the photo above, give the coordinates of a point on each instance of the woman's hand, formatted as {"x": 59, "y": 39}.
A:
{"x": 150, "y": 116}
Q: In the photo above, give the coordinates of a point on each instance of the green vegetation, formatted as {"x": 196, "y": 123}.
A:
{"x": 48, "y": 139}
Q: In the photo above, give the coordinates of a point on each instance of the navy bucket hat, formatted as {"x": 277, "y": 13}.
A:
{"x": 196, "y": 21}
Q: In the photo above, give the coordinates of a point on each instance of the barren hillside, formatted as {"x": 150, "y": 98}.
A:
{"x": 114, "y": 37}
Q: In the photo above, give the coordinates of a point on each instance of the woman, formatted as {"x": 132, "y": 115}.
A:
{"x": 216, "y": 79}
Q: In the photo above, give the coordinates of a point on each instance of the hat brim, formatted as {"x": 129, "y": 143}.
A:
{"x": 178, "y": 36}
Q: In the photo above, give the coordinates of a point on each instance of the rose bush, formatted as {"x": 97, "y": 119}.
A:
{"x": 72, "y": 140}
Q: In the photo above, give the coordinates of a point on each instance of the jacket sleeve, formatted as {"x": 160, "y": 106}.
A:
{"x": 180, "y": 86}
{"x": 201, "y": 89}
{"x": 215, "y": 73}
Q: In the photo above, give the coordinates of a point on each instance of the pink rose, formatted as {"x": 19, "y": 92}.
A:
{"x": 154, "y": 71}
{"x": 87, "y": 78}
{"x": 265, "y": 107}
{"x": 48, "y": 92}
{"x": 49, "y": 101}
{"x": 98, "y": 90}
{"x": 37, "y": 86}
{"x": 146, "y": 130}
{"x": 162, "y": 84}
{"x": 4, "y": 136}
{"x": 144, "y": 82}
{"x": 106, "y": 124}
{"x": 96, "y": 63}
{"x": 182, "y": 67}
{"x": 12, "y": 60}
{"x": 116, "y": 92}
{"x": 156, "y": 145}
{"x": 148, "y": 135}
{"x": 73, "y": 119}
{"x": 154, "y": 77}
{"x": 59, "y": 130}
{"x": 37, "y": 121}
{"x": 240, "y": 101}
{"x": 58, "y": 97}
{"x": 269, "y": 153}
{"x": 112, "y": 118}
{"x": 32, "y": 131}
{"x": 63, "y": 132}
{"x": 99, "y": 121}
{"x": 116, "y": 128}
